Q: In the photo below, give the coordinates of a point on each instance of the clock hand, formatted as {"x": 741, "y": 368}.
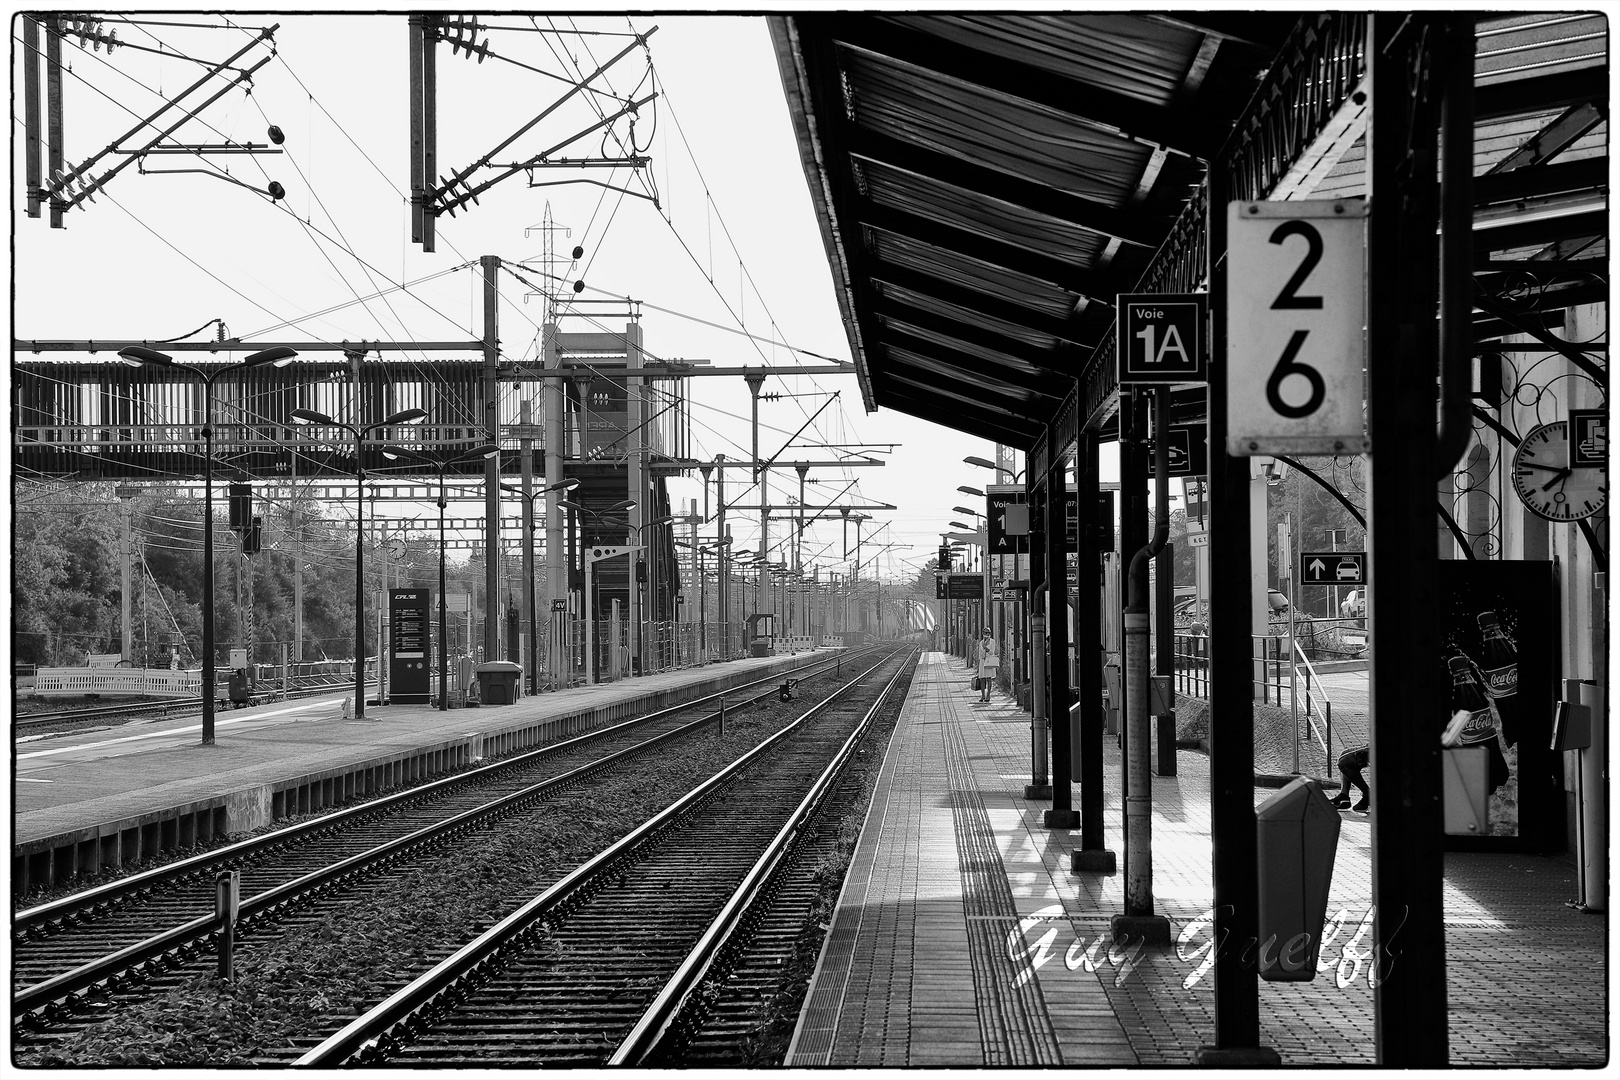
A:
{"x": 1546, "y": 468}
{"x": 1563, "y": 474}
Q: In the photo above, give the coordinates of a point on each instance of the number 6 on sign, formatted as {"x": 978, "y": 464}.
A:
{"x": 1296, "y": 317}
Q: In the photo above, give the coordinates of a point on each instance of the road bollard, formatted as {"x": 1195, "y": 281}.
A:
{"x": 227, "y": 899}
{"x": 722, "y": 716}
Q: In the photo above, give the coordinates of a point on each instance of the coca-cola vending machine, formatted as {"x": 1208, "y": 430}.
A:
{"x": 1499, "y": 656}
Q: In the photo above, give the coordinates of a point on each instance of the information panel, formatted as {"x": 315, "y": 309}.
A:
{"x": 408, "y": 646}
{"x": 1296, "y": 312}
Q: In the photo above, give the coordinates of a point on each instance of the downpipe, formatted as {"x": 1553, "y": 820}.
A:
{"x": 1039, "y": 726}
{"x": 1139, "y": 789}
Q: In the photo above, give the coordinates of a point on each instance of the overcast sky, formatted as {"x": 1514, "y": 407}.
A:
{"x": 732, "y": 242}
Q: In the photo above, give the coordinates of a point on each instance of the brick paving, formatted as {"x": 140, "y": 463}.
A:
{"x": 906, "y": 978}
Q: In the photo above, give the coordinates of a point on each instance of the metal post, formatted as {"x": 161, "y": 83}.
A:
{"x": 637, "y": 410}
{"x": 526, "y": 467}
{"x": 126, "y": 634}
{"x": 559, "y": 570}
{"x": 54, "y": 163}
{"x": 359, "y": 559}
{"x": 1406, "y": 698}
{"x": 227, "y": 901}
{"x": 1062, "y": 815}
{"x": 418, "y": 186}
{"x": 590, "y": 622}
{"x": 722, "y": 542}
{"x": 1231, "y": 731}
{"x": 1092, "y": 854}
{"x": 490, "y": 265}
{"x": 1139, "y": 921}
{"x": 208, "y": 559}
{"x": 430, "y": 135}
{"x": 444, "y": 641}
{"x": 33, "y": 133}
{"x": 703, "y": 578}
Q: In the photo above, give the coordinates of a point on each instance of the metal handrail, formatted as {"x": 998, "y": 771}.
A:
{"x": 1312, "y": 676}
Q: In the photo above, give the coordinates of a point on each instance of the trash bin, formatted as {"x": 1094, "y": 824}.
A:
{"x": 498, "y": 682}
{"x": 1297, "y": 834}
{"x": 759, "y": 647}
{"x": 1465, "y": 791}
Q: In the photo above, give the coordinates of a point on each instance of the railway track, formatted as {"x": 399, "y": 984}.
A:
{"x": 75, "y": 956}
{"x": 656, "y": 948}
{"x": 100, "y": 715}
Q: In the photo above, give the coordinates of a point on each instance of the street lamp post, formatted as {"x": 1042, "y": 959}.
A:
{"x": 407, "y": 416}
{"x": 136, "y": 356}
{"x": 486, "y": 451}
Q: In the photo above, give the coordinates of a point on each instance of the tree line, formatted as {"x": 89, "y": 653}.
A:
{"x": 67, "y": 583}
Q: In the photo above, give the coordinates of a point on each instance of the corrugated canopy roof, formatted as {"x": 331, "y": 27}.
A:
{"x": 987, "y": 183}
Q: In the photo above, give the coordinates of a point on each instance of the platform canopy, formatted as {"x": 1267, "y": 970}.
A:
{"x": 987, "y": 183}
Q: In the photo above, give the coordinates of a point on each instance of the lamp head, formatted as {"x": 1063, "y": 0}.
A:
{"x": 136, "y": 356}
{"x": 965, "y": 510}
{"x": 279, "y": 356}
{"x": 570, "y": 504}
{"x": 625, "y": 504}
{"x": 395, "y": 453}
{"x": 566, "y": 485}
{"x": 964, "y": 489}
{"x": 979, "y": 461}
{"x": 310, "y": 416}
{"x": 483, "y": 450}
{"x": 407, "y": 416}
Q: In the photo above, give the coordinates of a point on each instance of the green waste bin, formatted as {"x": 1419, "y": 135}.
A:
{"x": 498, "y": 682}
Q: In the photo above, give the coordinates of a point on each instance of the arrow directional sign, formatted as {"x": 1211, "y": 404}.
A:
{"x": 1333, "y": 567}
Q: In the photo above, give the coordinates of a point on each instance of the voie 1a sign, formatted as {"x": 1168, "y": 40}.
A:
{"x": 1333, "y": 567}
{"x": 1161, "y": 338}
{"x": 1296, "y": 316}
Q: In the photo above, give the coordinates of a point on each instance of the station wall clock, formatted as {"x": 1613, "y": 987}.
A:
{"x": 1547, "y": 484}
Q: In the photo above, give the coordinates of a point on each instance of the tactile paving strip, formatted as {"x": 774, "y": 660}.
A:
{"x": 1013, "y": 1022}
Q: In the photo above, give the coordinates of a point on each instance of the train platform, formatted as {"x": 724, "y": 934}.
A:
{"x": 114, "y": 796}
{"x": 962, "y": 939}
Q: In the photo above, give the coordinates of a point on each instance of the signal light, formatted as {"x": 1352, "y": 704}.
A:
{"x": 241, "y": 503}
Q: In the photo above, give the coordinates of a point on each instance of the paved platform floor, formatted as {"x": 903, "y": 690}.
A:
{"x": 87, "y": 778}
{"x": 962, "y": 939}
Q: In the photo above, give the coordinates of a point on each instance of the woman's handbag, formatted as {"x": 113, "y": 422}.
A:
{"x": 978, "y": 683}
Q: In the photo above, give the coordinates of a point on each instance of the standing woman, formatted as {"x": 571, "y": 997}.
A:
{"x": 989, "y": 661}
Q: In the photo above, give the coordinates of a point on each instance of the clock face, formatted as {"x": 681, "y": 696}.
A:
{"x": 1546, "y": 483}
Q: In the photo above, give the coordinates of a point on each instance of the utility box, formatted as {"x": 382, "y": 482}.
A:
{"x": 1164, "y": 744}
{"x": 1297, "y": 834}
{"x": 498, "y": 682}
{"x": 1465, "y": 790}
{"x": 1113, "y": 685}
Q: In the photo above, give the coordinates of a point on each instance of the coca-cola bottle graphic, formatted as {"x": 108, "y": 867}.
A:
{"x": 1499, "y": 668}
{"x": 1480, "y": 730}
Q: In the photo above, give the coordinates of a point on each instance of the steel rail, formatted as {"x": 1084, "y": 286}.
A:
{"x": 649, "y": 1032}
{"x": 368, "y": 1035}
{"x": 125, "y": 887}
{"x": 204, "y": 929}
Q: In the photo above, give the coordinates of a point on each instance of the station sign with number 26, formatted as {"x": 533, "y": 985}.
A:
{"x": 1296, "y": 318}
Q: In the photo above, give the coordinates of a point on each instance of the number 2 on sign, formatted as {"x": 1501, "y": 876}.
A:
{"x": 1289, "y": 299}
